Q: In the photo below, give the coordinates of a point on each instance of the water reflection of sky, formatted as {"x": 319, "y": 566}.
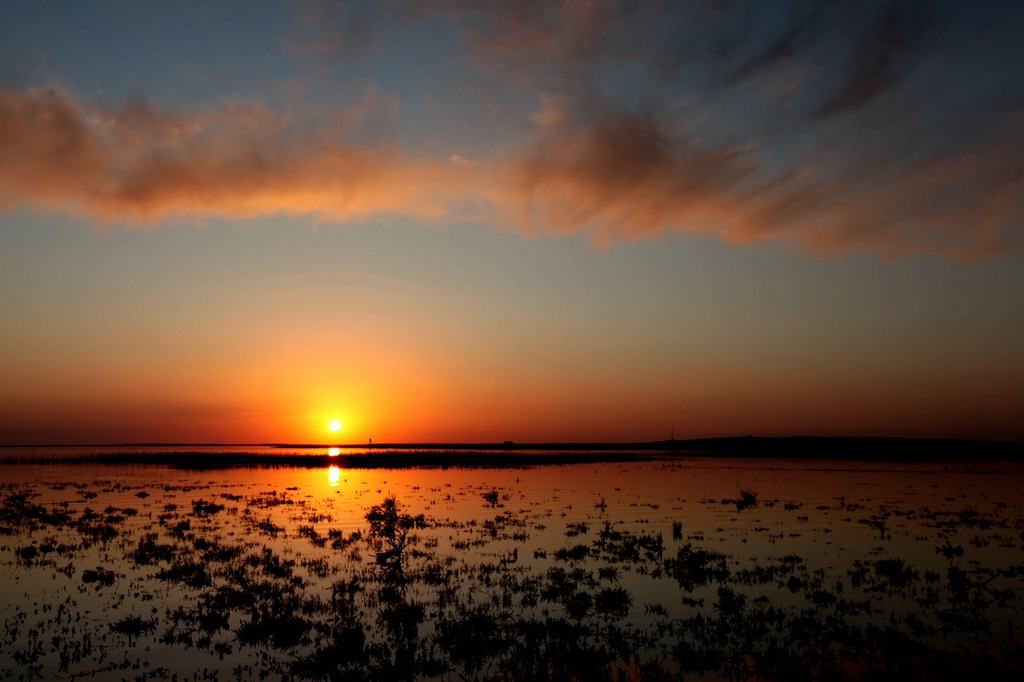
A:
{"x": 827, "y": 521}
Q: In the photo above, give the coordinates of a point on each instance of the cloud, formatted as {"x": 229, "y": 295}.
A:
{"x": 624, "y": 177}
{"x": 605, "y": 173}
{"x": 857, "y": 49}
{"x": 879, "y": 54}
{"x": 346, "y": 29}
{"x": 967, "y": 204}
{"x": 554, "y": 112}
{"x": 801, "y": 30}
{"x": 523, "y": 39}
{"x": 463, "y": 161}
{"x": 627, "y": 176}
{"x": 554, "y": 32}
{"x": 140, "y": 163}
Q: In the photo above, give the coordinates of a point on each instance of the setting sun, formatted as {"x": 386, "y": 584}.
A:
{"x": 334, "y": 425}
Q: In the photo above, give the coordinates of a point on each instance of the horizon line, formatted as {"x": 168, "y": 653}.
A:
{"x": 524, "y": 444}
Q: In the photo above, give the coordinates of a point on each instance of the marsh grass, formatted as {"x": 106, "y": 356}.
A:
{"x": 256, "y": 586}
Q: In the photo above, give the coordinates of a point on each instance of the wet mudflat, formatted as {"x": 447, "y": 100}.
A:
{"x": 703, "y": 569}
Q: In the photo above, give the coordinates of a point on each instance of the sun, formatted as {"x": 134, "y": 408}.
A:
{"x": 334, "y": 425}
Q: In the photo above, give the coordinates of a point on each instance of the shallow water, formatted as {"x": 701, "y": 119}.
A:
{"x": 844, "y": 569}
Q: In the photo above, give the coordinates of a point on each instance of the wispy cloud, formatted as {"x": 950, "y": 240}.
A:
{"x": 463, "y": 161}
{"x": 140, "y": 162}
{"x": 610, "y": 175}
{"x": 627, "y": 176}
{"x": 887, "y": 127}
{"x": 624, "y": 177}
{"x": 967, "y": 204}
{"x": 886, "y": 40}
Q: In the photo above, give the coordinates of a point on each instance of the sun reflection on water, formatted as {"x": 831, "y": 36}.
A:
{"x": 333, "y": 475}
{"x": 333, "y": 452}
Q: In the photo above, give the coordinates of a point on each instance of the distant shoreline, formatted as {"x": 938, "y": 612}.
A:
{"x": 403, "y": 455}
{"x": 799, "y": 446}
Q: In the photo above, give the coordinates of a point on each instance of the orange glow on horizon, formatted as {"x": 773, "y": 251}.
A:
{"x": 406, "y": 395}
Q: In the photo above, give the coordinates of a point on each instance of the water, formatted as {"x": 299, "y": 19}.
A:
{"x": 644, "y": 568}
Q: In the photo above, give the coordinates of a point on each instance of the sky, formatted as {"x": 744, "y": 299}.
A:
{"x": 588, "y": 220}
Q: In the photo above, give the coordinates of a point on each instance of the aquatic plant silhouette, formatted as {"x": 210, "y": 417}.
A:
{"x": 133, "y": 627}
{"x": 390, "y": 530}
{"x": 694, "y": 567}
{"x": 747, "y": 498}
{"x": 100, "y": 576}
{"x": 259, "y": 594}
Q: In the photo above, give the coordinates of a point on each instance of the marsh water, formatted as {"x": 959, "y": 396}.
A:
{"x": 662, "y": 568}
